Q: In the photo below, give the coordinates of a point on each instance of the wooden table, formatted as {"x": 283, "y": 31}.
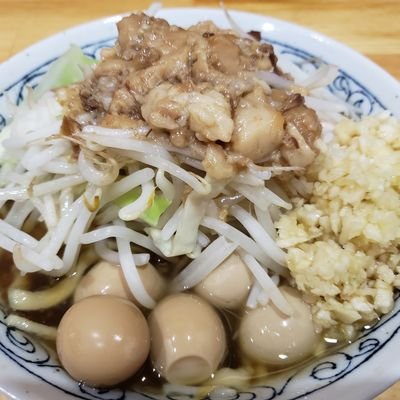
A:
{"x": 369, "y": 26}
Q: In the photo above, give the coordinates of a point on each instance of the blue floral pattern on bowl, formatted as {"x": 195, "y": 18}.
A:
{"x": 34, "y": 358}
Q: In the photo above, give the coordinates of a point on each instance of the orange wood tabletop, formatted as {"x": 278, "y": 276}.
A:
{"x": 369, "y": 26}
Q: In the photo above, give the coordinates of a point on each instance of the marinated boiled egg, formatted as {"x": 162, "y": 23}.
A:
{"x": 107, "y": 278}
{"x": 187, "y": 339}
{"x": 228, "y": 285}
{"x": 268, "y": 336}
{"x": 103, "y": 340}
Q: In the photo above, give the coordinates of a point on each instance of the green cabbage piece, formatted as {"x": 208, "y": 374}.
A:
{"x": 152, "y": 215}
{"x": 68, "y": 69}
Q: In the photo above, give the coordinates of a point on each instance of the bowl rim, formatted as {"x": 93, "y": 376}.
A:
{"x": 318, "y": 37}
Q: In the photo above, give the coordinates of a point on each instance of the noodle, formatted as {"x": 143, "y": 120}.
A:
{"x": 24, "y": 300}
{"x": 34, "y": 328}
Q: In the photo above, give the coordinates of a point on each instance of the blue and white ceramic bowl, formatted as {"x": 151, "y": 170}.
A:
{"x": 357, "y": 372}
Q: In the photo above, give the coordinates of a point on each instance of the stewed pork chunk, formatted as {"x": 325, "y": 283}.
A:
{"x": 201, "y": 86}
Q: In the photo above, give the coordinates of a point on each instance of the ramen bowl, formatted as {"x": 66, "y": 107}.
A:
{"x": 30, "y": 370}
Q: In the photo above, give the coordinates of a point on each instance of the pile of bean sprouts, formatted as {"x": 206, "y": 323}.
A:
{"x": 70, "y": 186}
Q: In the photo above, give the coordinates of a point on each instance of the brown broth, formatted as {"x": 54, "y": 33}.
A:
{"x": 7, "y": 274}
{"x": 147, "y": 379}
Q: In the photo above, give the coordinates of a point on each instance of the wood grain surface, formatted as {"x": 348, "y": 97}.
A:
{"x": 371, "y": 27}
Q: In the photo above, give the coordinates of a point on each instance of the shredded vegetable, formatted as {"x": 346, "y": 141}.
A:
{"x": 155, "y": 209}
{"x": 68, "y": 69}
